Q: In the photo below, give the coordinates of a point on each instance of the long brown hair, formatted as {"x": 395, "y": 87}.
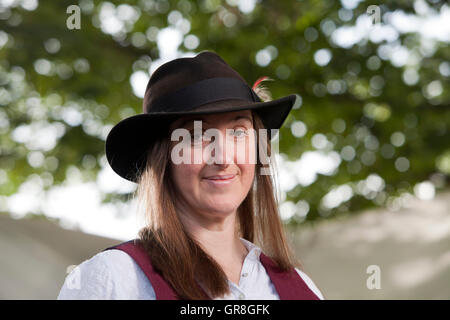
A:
{"x": 176, "y": 255}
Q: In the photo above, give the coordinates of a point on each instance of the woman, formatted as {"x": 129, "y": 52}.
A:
{"x": 208, "y": 200}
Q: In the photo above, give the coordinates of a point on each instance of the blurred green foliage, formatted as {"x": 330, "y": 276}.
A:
{"x": 64, "y": 89}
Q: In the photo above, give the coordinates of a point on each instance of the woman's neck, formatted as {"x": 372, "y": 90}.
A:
{"x": 218, "y": 238}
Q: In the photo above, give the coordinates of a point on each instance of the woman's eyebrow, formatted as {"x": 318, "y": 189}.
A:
{"x": 243, "y": 117}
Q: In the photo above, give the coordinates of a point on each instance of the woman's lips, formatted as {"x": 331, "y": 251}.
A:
{"x": 221, "y": 180}
{"x": 221, "y": 177}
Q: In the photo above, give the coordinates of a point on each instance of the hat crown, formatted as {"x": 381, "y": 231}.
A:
{"x": 183, "y": 72}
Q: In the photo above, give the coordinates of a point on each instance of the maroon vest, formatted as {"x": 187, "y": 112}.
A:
{"x": 289, "y": 285}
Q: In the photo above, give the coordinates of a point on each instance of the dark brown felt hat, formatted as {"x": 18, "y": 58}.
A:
{"x": 204, "y": 84}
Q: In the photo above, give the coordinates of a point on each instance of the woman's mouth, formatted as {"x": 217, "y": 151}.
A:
{"x": 221, "y": 180}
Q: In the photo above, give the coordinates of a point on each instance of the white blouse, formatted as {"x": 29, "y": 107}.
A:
{"x": 113, "y": 274}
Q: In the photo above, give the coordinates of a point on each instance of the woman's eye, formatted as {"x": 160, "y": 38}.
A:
{"x": 237, "y": 133}
{"x": 240, "y": 133}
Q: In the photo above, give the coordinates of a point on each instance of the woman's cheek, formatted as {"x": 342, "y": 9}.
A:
{"x": 246, "y": 175}
{"x": 183, "y": 177}
{"x": 190, "y": 175}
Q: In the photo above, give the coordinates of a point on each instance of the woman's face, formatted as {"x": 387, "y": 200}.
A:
{"x": 214, "y": 185}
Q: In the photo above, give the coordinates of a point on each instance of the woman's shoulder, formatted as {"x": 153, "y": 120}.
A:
{"x": 109, "y": 274}
{"x": 310, "y": 283}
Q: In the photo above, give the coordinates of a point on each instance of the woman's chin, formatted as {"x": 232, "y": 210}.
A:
{"x": 221, "y": 207}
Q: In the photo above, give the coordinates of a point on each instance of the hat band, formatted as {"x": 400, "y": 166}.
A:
{"x": 203, "y": 92}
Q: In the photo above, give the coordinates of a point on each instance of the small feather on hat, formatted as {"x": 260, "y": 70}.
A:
{"x": 262, "y": 91}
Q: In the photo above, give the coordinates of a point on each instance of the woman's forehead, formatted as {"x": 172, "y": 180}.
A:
{"x": 211, "y": 118}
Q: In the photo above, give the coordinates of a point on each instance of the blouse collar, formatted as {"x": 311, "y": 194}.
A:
{"x": 253, "y": 250}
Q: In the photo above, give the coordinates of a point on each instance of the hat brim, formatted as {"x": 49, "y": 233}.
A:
{"x": 128, "y": 141}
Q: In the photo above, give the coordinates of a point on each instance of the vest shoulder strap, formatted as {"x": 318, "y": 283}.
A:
{"x": 289, "y": 285}
{"x": 136, "y": 250}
